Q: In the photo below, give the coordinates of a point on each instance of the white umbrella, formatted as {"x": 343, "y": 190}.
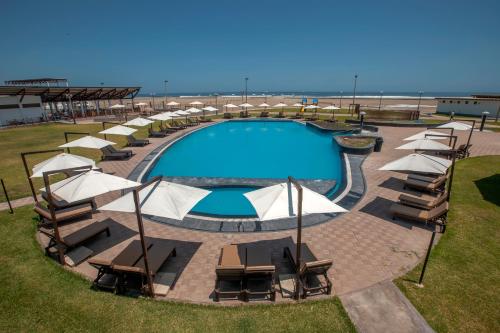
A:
{"x": 419, "y": 163}
{"x": 182, "y": 113}
{"x": 456, "y": 125}
{"x": 426, "y": 134}
{"x": 280, "y": 201}
{"x": 141, "y": 104}
{"x": 280, "y": 105}
{"x": 119, "y": 130}
{"x": 425, "y": 144}
{"x": 209, "y": 108}
{"x": 298, "y": 105}
{"x": 312, "y": 106}
{"x": 161, "y": 116}
{"x": 264, "y": 105}
{"x": 246, "y": 105}
{"x": 61, "y": 161}
{"x": 162, "y": 198}
{"x": 193, "y": 110}
{"x": 331, "y": 107}
{"x": 88, "y": 142}
{"x": 138, "y": 122}
{"x": 173, "y": 103}
{"x": 196, "y": 103}
{"x": 88, "y": 185}
{"x": 117, "y": 106}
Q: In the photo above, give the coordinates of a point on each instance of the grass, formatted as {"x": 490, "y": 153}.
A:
{"x": 37, "y": 295}
{"x": 462, "y": 282}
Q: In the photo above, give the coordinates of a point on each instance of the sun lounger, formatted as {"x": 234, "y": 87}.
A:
{"x": 228, "y": 115}
{"x": 156, "y": 134}
{"x": 435, "y": 215}
{"x": 178, "y": 125}
{"x": 230, "y": 270}
{"x": 281, "y": 114}
{"x": 435, "y": 185}
{"x": 133, "y": 142}
{"x": 60, "y": 203}
{"x": 64, "y": 214}
{"x": 311, "y": 268}
{"x": 264, "y": 114}
{"x": 109, "y": 153}
{"x": 313, "y": 117}
{"x": 204, "y": 119}
{"x": 192, "y": 122}
{"x": 424, "y": 201}
{"x": 298, "y": 115}
{"x": 76, "y": 238}
{"x": 259, "y": 272}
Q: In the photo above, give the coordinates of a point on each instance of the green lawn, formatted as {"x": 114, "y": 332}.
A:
{"x": 37, "y": 295}
{"x": 462, "y": 282}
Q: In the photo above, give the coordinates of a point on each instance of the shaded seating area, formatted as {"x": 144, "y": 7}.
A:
{"x": 425, "y": 183}
{"x": 133, "y": 142}
{"x": 65, "y": 214}
{"x": 156, "y": 134}
{"x": 313, "y": 272}
{"x": 110, "y": 153}
{"x": 264, "y": 114}
{"x": 59, "y": 203}
{"x": 228, "y": 115}
{"x": 435, "y": 215}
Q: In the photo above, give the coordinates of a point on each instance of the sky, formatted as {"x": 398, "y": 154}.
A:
{"x": 210, "y": 46}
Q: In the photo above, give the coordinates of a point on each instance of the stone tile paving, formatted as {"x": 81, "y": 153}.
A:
{"x": 367, "y": 247}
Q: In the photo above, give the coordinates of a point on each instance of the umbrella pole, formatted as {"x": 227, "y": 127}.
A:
{"x": 299, "y": 234}
{"x": 470, "y": 134}
{"x": 143, "y": 242}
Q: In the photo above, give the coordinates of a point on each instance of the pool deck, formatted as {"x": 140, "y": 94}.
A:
{"x": 366, "y": 245}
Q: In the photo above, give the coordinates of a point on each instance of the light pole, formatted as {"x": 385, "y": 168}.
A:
{"x": 341, "y": 93}
{"x": 362, "y": 121}
{"x": 380, "y": 101}
{"x": 166, "y": 98}
{"x": 354, "y": 93}
{"x": 420, "y": 93}
{"x": 483, "y": 120}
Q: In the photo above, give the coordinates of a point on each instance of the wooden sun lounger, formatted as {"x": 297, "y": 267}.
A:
{"x": 109, "y": 153}
{"x": 231, "y": 268}
{"x": 433, "y": 186}
{"x": 281, "y": 114}
{"x": 228, "y": 115}
{"x": 64, "y": 214}
{"x": 193, "y": 122}
{"x": 204, "y": 119}
{"x": 435, "y": 215}
{"x": 76, "y": 238}
{"x": 425, "y": 178}
{"x": 60, "y": 203}
{"x": 310, "y": 268}
{"x": 133, "y": 142}
{"x": 178, "y": 125}
{"x": 264, "y": 114}
{"x": 259, "y": 268}
{"x": 156, "y": 134}
{"x": 298, "y": 115}
{"x": 424, "y": 201}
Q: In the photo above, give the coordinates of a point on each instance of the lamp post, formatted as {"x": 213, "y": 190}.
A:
{"x": 483, "y": 120}
{"x": 420, "y": 93}
{"x": 354, "y": 93}
{"x": 380, "y": 100}
{"x": 361, "y": 122}
{"x": 166, "y": 98}
{"x": 341, "y": 93}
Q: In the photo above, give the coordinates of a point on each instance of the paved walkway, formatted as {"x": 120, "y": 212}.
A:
{"x": 366, "y": 245}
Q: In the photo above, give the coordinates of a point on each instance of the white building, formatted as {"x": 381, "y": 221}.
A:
{"x": 470, "y": 106}
{"x": 26, "y": 109}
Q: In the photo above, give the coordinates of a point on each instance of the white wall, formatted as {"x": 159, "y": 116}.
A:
{"x": 472, "y": 107}
{"x": 18, "y": 112}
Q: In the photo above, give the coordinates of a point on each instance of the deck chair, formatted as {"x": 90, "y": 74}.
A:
{"x": 178, "y": 125}
{"x": 230, "y": 271}
{"x": 64, "y": 214}
{"x": 424, "y": 201}
{"x": 76, "y": 238}
{"x": 298, "y": 115}
{"x": 228, "y": 115}
{"x": 193, "y": 121}
{"x": 264, "y": 114}
{"x": 281, "y": 114}
{"x": 156, "y": 134}
{"x": 313, "y": 117}
{"x": 259, "y": 272}
{"x": 205, "y": 119}
{"x": 133, "y": 142}
{"x": 109, "y": 153}
{"x": 310, "y": 269}
{"x": 106, "y": 278}
{"x": 435, "y": 185}
{"x": 435, "y": 215}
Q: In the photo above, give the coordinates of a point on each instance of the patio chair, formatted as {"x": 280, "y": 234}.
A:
{"x": 156, "y": 134}
{"x": 435, "y": 215}
{"x": 129, "y": 256}
{"x": 259, "y": 272}
{"x": 76, "y": 238}
{"x": 64, "y": 214}
{"x": 133, "y": 142}
{"x": 109, "y": 153}
{"x": 310, "y": 269}
{"x": 264, "y": 114}
{"x": 435, "y": 185}
{"x": 228, "y": 115}
{"x": 169, "y": 129}
{"x": 425, "y": 201}
{"x": 230, "y": 270}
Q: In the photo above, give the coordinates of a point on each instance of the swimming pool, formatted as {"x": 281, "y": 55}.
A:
{"x": 249, "y": 149}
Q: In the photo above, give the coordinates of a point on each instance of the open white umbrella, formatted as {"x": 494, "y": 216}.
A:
{"x": 196, "y": 103}
{"x": 280, "y": 201}
{"x": 89, "y": 184}
{"x": 425, "y": 144}
{"x": 264, "y": 105}
{"x": 419, "y": 163}
{"x": 209, "y": 108}
{"x": 182, "y": 113}
{"x": 61, "y": 161}
{"x": 117, "y": 106}
{"x": 456, "y": 125}
{"x": 331, "y": 107}
{"x": 119, "y": 130}
{"x": 279, "y": 105}
{"x": 141, "y": 104}
{"x": 173, "y": 103}
{"x": 230, "y": 106}
{"x": 161, "y": 116}
{"x": 311, "y": 107}
{"x": 138, "y": 122}
{"x": 426, "y": 134}
{"x": 298, "y": 105}
{"x": 246, "y": 105}
{"x": 162, "y": 198}
{"x": 193, "y": 110}
{"x": 88, "y": 142}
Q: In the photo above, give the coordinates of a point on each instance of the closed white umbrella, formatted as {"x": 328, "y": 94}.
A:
{"x": 426, "y": 134}
{"x": 88, "y": 142}
{"x": 119, "y": 130}
{"x": 88, "y": 185}
{"x": 280, "y": 201}
{"x": 425, "y": 144}
{"x": 138, "y": 122}
{"x": 61, "y": 161}
{"x": 162, "y": 198}
{"x": 456, "y": 125}
{"x": 419, "y": 163}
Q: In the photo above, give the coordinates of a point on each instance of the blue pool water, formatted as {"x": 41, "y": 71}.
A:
{"x": 250, "y": 149}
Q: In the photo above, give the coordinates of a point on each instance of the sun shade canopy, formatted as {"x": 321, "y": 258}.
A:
{"x": 61, "y": 161}
{"x": 419, "y": 163}
{"x": 88, "y": 142}
{"x": 119, "y": 130}
{"x": 426, "y": 144}
{"x": 426, "y": 134}
{"x": 138, "y": 122}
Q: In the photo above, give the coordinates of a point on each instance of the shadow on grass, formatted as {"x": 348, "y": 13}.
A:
{"x": 489, "y": 188}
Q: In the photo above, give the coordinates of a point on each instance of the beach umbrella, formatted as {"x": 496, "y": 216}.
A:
{"x": 193, "y": 110}
{"x": 181, "y": 113}
{"x": 280, "y": 105}
{"x": 196, "y": 103}
{"x": 88, "y": 185}
{"x": 230, "y": 106}
{"x": 333, "y": 108}
{"x": 88, "y": 142}
{"x": 119, "y": 130}
{"x": 426, "y": 134}
{"x": 311, "y": 107}
{"x": 298, "y": 105}
{"x": 424, "y": 144}
{"x": 456, "y": 125}
{"x": 161, "y": 116}
{"x": 421, "y": 163}
{"x": 280, "y": 201}
{"x": 264, "y": 105}
{"x": 209, "y": 109}
{"x": 138, "y": 122}
{"x": 173, "y": 103}
{"x": 61, "y": 161}
{"x": 246, "y": 105}
{"x": 117, "y": 106}
{"x": 163, "y": 199}
{"x": 141, "y": 104}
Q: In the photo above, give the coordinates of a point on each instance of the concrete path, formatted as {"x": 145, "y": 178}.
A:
{"x": 16, "y": 203}
{"x": 382, "y": 308}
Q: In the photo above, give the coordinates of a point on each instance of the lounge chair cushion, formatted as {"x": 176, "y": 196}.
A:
{"x": 419, "y": 214}
{"x": 84, "y": 234}
{"x": 232, "y": 258}
{"x": 258, "y": 260}
{"x": 158, "y": 253}
{"x": 64, "y": 214}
